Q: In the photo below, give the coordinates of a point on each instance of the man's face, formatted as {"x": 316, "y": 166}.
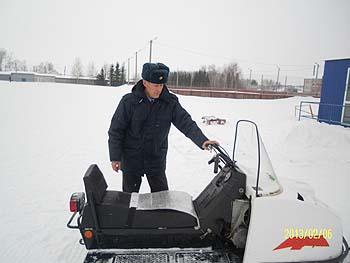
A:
{"x": 152, "y": 90}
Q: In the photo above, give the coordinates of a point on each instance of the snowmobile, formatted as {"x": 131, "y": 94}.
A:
{"x": 243, "y": 215}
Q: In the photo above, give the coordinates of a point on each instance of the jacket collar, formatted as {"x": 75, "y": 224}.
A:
{"x": 139, "y": 91}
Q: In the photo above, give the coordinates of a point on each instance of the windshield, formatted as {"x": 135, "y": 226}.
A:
{"x": 252, "y": 158}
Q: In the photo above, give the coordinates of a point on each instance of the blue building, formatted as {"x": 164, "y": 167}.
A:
{"x": 335, "y": 94}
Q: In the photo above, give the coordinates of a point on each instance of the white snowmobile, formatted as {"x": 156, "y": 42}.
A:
{"x": 243, "y": 215}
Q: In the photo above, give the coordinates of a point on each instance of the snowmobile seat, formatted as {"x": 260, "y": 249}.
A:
{"x": 115, "y": 209}
{"x": 95, "y": 184}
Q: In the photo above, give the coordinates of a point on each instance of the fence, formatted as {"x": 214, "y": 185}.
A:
{"x": 330, "y": 112}
{"x": 233, "y": 94}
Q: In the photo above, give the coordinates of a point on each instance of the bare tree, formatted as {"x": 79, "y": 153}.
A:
{"x": 45, "y": 68}
{"x": 105, "y": 69}
{"x": 231, "y": 76}
{"x": 91, "y": 71}
{"x": 9, "y": 62}
{"x": 2, "y": 57}
{"x": 16, "y": 64}
{"x": 20, "y": 65}
{"x": 213, "y": 76}
{"x": 77, "y": 68}
{"x": 50, "y": 68}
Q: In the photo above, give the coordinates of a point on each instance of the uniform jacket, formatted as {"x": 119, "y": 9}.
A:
{"x": 138, "y": 135}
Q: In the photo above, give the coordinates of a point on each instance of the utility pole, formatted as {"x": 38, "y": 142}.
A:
{"x": 128, "y": 71}
{"x": 262, "y": 80}
{"x": 313, "y": 70}
{"x": 250, "y": 77}
{"x": 64, "y": 71}
{"x": 136, "y": 67}
{"x": 317, "y": 66}
{"x": 314, "y": 81}
{"x": 316, "y": 76}
{"x": 177, "y": 78}
{"x": 278, "y": 75}
{"x": 150, "y": 49}
{"x": 191, "y": 79}
{"x": 285, "y": 83}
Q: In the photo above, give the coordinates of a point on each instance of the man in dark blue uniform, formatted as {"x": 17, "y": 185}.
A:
{"x": 138, "y": 135}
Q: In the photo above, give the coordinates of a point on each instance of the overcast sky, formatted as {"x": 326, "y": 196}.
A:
{"x": 258, "y": 35}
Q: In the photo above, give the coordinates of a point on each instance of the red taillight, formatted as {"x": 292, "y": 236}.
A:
{"x": 77, "y": 201}
{"x": 88, "y": 234}
{"x": 73, "y": 205}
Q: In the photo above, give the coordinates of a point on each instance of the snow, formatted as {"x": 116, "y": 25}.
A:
{"x": 50, "y": 133}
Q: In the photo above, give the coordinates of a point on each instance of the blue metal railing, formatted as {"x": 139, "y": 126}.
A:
{"x": 332, "y": 110}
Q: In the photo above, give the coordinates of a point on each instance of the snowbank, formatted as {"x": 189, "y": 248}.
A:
{"x": 51, "y": 132}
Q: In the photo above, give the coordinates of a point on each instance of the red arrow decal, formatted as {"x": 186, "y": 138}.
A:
{"x": 298, "y": 243}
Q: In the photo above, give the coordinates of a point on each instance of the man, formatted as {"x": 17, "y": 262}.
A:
{"x": 138, "y": 135}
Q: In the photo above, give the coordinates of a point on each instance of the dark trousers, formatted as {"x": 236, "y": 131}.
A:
{"x": 132, "y": 182}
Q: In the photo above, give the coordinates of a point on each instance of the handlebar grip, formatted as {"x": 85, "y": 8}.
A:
{"x": 211, "y": 160}
{"x": 216, "y": 167}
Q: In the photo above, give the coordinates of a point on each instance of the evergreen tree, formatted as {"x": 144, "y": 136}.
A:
{"x": 122, "y": 75}
{"x": 101, "y": 80}
{"x": 201, "y": 78}
{"x": 3, "y": 53}
{"x": 101, "y": 75}
{"x": 112, "y": 77}
{"x": 77, "y": 68}
{"x": 117, "y": 74}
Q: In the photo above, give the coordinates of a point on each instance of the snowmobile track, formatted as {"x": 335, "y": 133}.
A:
{"x": 164, "y": 255}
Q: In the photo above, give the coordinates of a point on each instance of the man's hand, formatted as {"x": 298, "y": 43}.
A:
{"x": 207, "y": 143}
{"x": 115, "y": 165}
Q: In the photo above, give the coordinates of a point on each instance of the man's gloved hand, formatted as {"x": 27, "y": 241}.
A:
{"x": 207, "y": 143}
{"x": 115, "y": 165}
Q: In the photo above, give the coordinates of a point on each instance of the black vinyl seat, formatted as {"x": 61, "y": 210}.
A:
{"x": 114, "y": 208}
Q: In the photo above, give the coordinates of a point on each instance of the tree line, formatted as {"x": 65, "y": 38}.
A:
{"x": 226, "y": 77}
{"x": 108, "y": 75}
{"x": 116, "y": 75}
{"x": 8, "y": 62}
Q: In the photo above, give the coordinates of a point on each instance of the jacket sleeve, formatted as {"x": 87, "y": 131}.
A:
{"x": 183, "y": 121}
{"x": 117, "y": 131}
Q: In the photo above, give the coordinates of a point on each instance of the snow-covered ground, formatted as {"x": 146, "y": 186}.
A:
{"x": 50, "y": 133}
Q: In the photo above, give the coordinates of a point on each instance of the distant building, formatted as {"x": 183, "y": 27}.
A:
{"x": 291, "y": 88}
{"x": 74, "y": 80}
{"x": 44, "y": 78}
{"x": 312, "y": 86}
{"x": 37, "y": 77}
{"x": 5, "y": 76}
{"x": 335, "y": 94}
{"x": 26, "y": 77}
{"x": 22, "y": 76}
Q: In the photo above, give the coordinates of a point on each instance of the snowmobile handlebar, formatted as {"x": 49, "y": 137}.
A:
{"x": 221, "y": 155}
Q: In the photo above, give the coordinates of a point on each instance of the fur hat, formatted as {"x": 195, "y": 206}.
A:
{"x": 155, "y": 72}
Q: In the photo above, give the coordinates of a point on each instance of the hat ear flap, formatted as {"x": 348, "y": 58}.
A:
{"x": 159, "y": 76}
{"x": 163, "y": 66}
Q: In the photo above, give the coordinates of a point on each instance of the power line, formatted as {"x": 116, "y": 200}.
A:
{"x": 192, "y": 51}
{"x": 231, "y": 59}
